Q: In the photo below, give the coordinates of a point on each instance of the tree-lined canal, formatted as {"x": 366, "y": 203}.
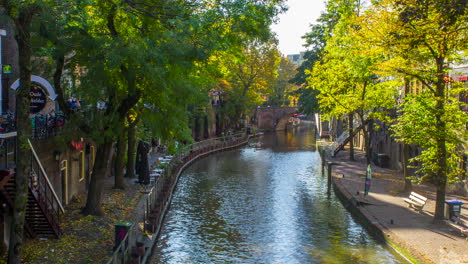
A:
{"x": 263, "y": 205}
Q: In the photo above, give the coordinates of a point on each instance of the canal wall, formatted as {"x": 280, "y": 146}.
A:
{"x": 412, "y": 233}
{"x": 371, "y": 223}
{"x": 368, "y": 220}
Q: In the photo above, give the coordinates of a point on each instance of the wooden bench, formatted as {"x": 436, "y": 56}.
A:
{"x": 416, "y": 201}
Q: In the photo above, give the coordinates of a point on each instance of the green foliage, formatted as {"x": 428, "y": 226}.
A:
{"x": 283, "y": 91}
{"x": 141, "y": 56}
{"x": 417, "y": 125}
{"x": 345, "y": 77}
{"x": 418, "y": 41}
{"x": 316, "y": 40}
{"x": 248, "y": 78}
{"x": 149, "y": 54}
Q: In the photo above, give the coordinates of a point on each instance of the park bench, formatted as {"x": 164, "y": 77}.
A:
{"x": 416, "y": 201}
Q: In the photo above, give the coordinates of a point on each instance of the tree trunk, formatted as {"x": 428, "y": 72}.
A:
{"x": 351, "y": 139}
{"x": 441, "y": 150}
{"x": 93, "y": 201}
{"x": 408, "y": 184}
{"x": 142, "y": 167}
{"x": 366, "y": 133}
{"x": 23, "y": 154}
{"x": 131, "y": 150}
{"x": 119, "y": 162}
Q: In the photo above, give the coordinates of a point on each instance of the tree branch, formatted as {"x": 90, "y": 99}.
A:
{"x": 421, "y": 79}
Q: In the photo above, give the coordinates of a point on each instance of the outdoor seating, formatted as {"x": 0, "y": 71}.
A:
{"x": 416, "y": 201}
{"x": 153, "y": 176}
{"x": 164, "y": 160}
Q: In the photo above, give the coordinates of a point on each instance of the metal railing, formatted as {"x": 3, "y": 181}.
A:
{"x": 159, "y": 195}
{"x": 44, "y": 193}
{"x": 122, "y": 253}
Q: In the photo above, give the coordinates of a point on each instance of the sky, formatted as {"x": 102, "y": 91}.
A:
{"x": 295, "y": 23}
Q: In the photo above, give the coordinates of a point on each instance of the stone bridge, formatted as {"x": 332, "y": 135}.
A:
{"x": 273, "y": 118}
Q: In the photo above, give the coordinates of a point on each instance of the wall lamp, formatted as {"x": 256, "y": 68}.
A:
{"x": 57, "y": 155}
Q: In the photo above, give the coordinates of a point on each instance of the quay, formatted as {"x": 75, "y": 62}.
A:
{"x": 412, "y": 234}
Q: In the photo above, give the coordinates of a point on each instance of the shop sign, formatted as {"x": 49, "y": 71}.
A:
{"x": 38, "y": 98}
{"x": 7, "y": 69}
{"x": 46, "y": 86}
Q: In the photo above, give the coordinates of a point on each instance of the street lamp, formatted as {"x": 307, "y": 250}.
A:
{"x": 3, "y": 33}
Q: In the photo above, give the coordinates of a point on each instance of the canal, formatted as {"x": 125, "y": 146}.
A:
{"x": 265, "y": 203}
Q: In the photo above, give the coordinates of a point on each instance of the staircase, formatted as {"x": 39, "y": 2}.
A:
{"x": 344, "y": 138}
{"x": 43, "y": 209}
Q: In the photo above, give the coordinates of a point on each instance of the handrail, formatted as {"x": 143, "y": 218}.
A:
{"x": 46, "y": 177}
{"x": 195, "y": 149}
{"x": 122, "y": 254}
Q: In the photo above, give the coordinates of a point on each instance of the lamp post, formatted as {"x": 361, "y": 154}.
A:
{"x": 3, "y": 33}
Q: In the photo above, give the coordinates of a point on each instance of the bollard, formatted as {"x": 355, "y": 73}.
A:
{"x": 322, "y": 157}
{"x": 329, "y": 177}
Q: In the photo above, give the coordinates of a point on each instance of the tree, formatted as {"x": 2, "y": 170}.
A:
{"x": 251, "y": 76}
{"x": 346, "y": 82}
{"x": 316, "y": 40}
{"x": 135, "y": 53}
{"x": 132, "y": 120}
{"x": 420, "y": 39}
{"x": 283, "y": 91}
{"x": 22, "y": 15}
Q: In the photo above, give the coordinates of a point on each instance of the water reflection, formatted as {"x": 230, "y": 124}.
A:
{"x": 263, "y": 204}
{"x": 298, "y": 138}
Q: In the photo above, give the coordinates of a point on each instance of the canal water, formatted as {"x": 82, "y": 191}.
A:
{"x": 265, "y": 203}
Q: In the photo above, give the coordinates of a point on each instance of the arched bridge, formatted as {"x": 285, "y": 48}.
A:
{"x": 273, "y": 118}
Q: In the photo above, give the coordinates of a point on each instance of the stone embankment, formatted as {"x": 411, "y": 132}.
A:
{"x": 413, "y": 234}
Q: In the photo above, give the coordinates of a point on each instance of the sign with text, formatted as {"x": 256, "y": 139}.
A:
{"x": 38, "y": 98}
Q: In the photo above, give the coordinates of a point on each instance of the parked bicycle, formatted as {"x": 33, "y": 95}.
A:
{"x": 48, "y": 125}
{"x": 8, "y": 123}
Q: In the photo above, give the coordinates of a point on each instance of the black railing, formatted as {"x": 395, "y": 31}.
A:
{"x": 45, "y": 126}
{"x": 159, "y": 195}
{"x": 44, "y": 194}
{"x": 122, "y": 253}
